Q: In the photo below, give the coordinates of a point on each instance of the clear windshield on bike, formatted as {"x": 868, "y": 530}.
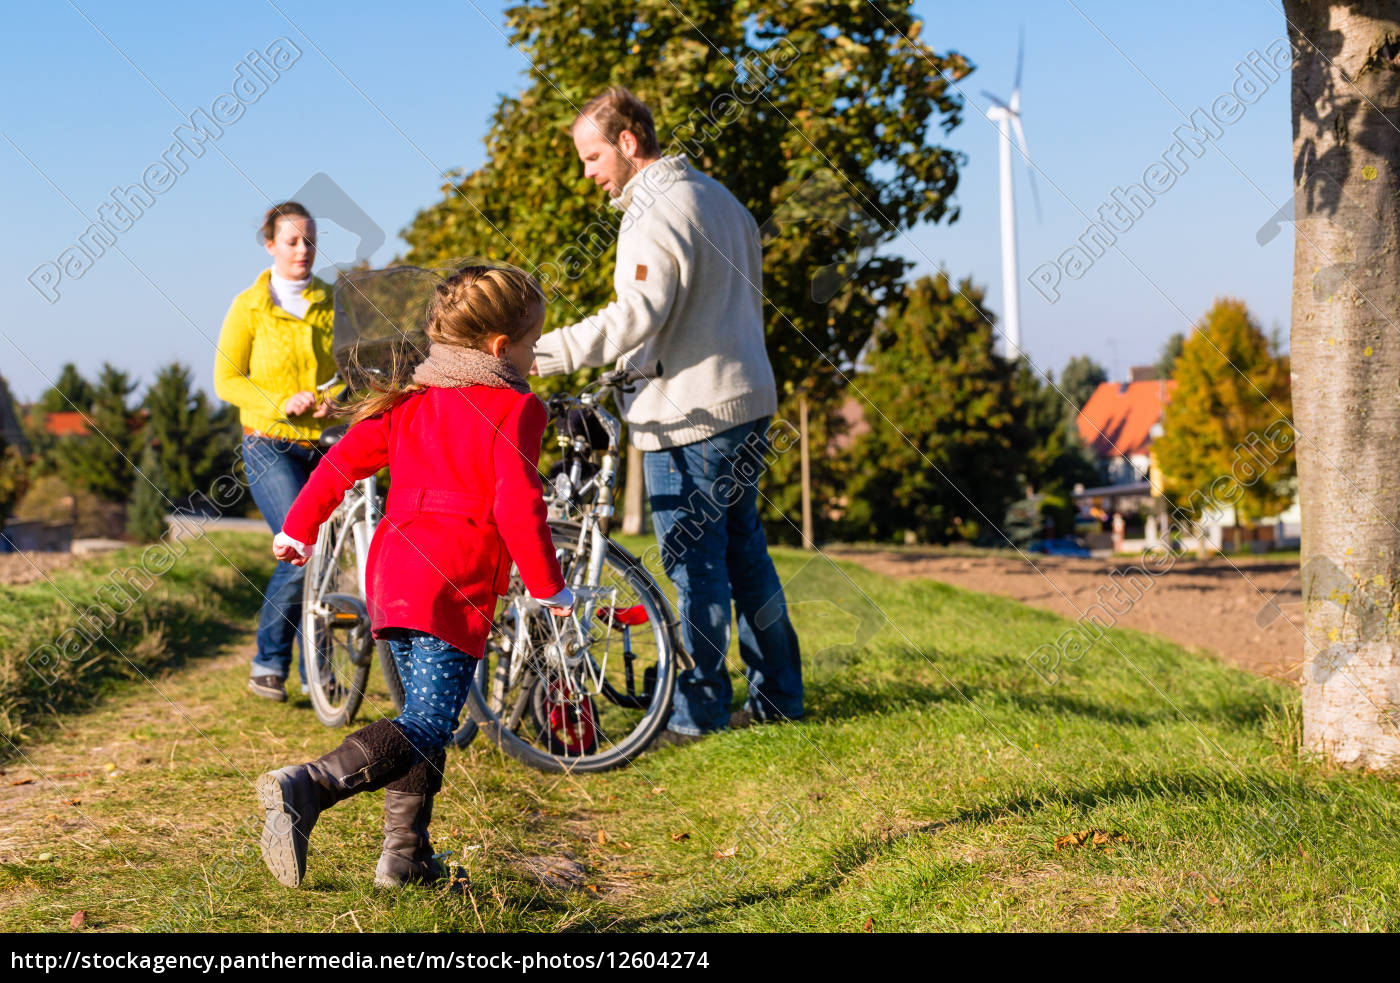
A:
{"x": 379, "y": 319}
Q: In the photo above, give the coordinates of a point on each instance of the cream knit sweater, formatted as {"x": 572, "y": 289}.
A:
{"x": 689, "y": 284}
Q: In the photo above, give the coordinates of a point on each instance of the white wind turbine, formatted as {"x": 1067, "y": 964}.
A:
{"x": 1008, "y": 115}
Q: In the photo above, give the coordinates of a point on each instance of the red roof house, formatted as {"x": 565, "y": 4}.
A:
{"x": 1118, "y": 419}
{"x": 68, "y": 423}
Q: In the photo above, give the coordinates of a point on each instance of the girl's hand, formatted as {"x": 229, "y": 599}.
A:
{"x": 290, "y": 550}
{"x": 561, "y": 605}
{"x": 299, "y": 403}
{"x": 288, "y": 554}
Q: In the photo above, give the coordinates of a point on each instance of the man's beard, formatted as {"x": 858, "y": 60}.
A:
{"x": 626, "y": 172}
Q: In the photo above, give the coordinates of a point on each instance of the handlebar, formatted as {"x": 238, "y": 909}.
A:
{"x": 623, "y": 378}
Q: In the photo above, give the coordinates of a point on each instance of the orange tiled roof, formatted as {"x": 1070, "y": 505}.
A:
{"x": 1119, "y": 417}
{"x": 65, "y": 424}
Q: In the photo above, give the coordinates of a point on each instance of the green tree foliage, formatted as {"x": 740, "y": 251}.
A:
{"x": 192, "y": 444}
{"x": 1231, "y": 386}
{"x": 1056, "y": 456}
{"x": 780, "y": 503}
{"x": 1171, "y": 351}
{"x": 101, "y": 460}
{"x": 1081, "y": 377}
{"x": 946, "y": 453}
{"x": 14, "y": 478}
{"x": 69, "y": 393}
{"x": 817, "y": 116}
{"x": 145, "y": 513}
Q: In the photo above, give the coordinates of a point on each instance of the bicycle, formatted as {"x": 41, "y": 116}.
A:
{"x": 550, "y": 692}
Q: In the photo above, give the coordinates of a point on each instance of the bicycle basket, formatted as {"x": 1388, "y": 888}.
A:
{"x": 379, "y": 317}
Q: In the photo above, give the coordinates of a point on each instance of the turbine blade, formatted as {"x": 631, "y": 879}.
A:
{"x": 1030, "y": 170}
{"x": 995, "y": 99}
{"x": 1020, "y": 59}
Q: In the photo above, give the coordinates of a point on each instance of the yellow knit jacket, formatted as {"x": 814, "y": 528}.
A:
{"x": 266, "y": 355}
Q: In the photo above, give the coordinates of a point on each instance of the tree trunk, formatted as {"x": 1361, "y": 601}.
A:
{"x": 1346, "y": 365}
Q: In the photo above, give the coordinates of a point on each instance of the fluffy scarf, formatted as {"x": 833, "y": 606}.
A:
{"x": 449, "y": 366}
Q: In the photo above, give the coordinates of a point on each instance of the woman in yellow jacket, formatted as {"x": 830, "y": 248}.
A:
{"x": 274, "y": 353}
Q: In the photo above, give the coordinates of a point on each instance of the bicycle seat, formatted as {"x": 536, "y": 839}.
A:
{"x": 331, "y": 436}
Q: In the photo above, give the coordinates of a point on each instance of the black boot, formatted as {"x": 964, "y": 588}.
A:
{"x": 294, "y": 797}
{"x": 408, "y": 808}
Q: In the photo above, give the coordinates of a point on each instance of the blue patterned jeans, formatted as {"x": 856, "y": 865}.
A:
{"x": 436, "y": 678}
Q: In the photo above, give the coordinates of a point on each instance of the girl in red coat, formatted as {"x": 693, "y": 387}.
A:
{"x": 462, "y": 444}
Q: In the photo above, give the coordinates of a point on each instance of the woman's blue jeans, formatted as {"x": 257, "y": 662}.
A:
{"x": 435, "y": 678}
{"x": 704, "y": 506}
{"x": 277, "y": 470}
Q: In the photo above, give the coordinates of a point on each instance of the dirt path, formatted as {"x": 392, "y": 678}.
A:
{"x": 1209, "y": 605}
{"x": 22, "y": 568}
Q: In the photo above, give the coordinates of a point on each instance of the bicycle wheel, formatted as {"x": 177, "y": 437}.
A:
{"x": 335, "y": 637}
{"x": 390, "y": 669}
{"x": 585, "y": 707}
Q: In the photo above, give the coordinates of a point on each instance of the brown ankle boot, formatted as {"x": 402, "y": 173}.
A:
{"x": 408, "y": 808}
{"x": 294, "y": 797}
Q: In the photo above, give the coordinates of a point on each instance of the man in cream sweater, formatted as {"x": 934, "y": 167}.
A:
{"x": 689, "y": 283}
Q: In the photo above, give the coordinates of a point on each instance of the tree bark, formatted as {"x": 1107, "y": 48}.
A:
{"x": 1346, "y": 366}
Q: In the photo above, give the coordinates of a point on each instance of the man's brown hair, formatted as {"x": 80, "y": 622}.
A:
{"x": 617, "y": 109}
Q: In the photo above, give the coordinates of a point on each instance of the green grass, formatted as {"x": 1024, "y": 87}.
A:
{"x": 71, "y": 636}
{"x": 925, "y": 791}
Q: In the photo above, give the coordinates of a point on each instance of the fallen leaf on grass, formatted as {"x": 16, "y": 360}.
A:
{"x": 658, "y": 790}
{"x": 1212, "y": 899}
{"x": 870, "y": 924}
{"x": 677, "y": 837}
{"x": 602, "y": 837}
{"x": 726, "y": 854}
{"x": 592, "y": 887}
{"x": 78, "y": 920}
{"x": 75, "y": 802}
{"x": 1094, "y": 838}
{"x": 22, "y": 781}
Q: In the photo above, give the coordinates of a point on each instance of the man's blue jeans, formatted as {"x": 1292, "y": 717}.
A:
{"x": 704, "y": 506}
{"x": 436, "y": 678}
{"x": 277, "y": 470}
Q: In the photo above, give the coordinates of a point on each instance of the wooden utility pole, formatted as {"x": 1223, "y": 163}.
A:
{"x": 807, "y": 543}
{"x": 632, "y": 493}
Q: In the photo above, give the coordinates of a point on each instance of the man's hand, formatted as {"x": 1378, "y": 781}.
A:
{"x": 299, "y": 403}
{"x": 323, "y": 409}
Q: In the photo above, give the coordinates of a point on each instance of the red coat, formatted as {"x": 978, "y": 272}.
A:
{"x": 466, "y": 499}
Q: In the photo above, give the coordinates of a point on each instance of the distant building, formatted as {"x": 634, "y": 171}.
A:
{"x": 67, "y": 423}
{"x": 1119, "y": 423}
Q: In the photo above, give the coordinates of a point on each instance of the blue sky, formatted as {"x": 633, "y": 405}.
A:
{"x": 384, "y": 98}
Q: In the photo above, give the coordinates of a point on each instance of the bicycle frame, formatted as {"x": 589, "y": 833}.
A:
{"x": 362, "y": 507}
